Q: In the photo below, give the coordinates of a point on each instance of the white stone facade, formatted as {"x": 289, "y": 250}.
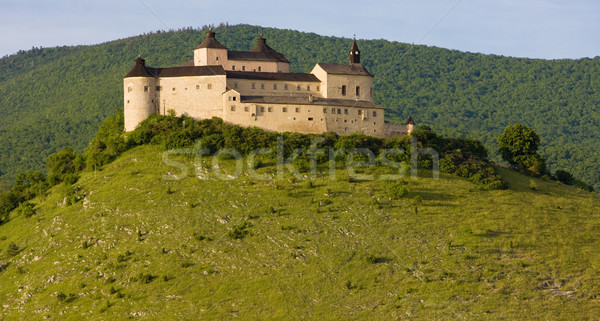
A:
{"x": 255, "y": 88}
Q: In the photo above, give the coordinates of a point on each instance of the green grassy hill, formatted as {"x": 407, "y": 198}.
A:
{"x": 134, "y": 245}
{"x": 54, "y": 97}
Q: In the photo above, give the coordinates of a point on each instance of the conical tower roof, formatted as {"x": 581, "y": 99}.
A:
{"x": 211, "y": 41}
{"x": 140, "y": 69}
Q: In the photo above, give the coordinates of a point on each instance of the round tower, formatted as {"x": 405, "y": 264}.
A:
{"x": 140, "y": 94}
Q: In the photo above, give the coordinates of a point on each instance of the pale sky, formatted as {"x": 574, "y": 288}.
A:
{"x": 520, "y": 28}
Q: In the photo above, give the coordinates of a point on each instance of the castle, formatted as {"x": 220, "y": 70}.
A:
{"x": 256, "y": 88}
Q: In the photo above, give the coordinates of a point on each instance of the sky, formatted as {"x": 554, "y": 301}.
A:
{"x": 549, "y": 29}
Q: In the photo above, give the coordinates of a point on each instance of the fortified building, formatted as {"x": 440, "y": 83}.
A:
{"x": 255, "y": 88}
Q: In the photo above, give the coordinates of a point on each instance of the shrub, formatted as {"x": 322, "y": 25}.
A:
{"x": 145, "y": 278}
{"x": 564, "y": 177}
{"x": 61, "y": 296}
{"x": 12, "y": 249}
{"x": 26, "y": 209}
{"x": 396, "y": 189}
{"x": 7, "y": 204}
{"x": 533, "y": 185}
{"x": 239, "y": 231}
{"x": 63, "y": 163}
{"x": 107, "y": 144}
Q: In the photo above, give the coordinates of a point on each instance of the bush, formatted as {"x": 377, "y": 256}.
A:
{"x": 61, "y": 296}
{"x": 533, "y": 185}
{"x": 8, "y": 201}
{"x": 239, "y": 231}
{"x": 63, "y": 164}
{"x": 26, "y": 209}
{"x": 12, "y": 249}
{"x": 145, "y": 278}
{"x": 107, "y": 144}
{"x": 396, "y": 190}
{"x": 564, "y": 177}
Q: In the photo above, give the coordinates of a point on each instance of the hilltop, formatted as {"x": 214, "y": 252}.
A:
{"x": 138, "y": 246}
{"x": 54, "y": 97}
{"x": 129, "y": 240}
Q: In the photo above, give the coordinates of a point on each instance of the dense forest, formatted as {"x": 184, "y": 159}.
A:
{"x": 55, "y": 97}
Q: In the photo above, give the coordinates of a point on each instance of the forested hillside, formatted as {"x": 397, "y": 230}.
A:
{"x": 55, "y": 97}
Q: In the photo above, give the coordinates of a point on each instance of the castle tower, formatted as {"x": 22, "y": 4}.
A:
{"x": 210, "y": 52}
{"x": 354, "y": 54}
{"x": 140, "y": 91}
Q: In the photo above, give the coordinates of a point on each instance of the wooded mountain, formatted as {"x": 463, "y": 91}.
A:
{"x": 54, "y": 97}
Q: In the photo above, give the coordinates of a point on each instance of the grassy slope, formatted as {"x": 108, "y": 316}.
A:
{"x": 513, "y": 254}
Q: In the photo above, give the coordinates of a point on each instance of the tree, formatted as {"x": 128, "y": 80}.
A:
{"x": 518, "y": 145}
{"x": 8, "y": 202}
{"x": 64, "y": 166}
{"x": 564, "y": 177}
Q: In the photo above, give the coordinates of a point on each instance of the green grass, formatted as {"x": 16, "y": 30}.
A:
{"x": 137, "y": 246}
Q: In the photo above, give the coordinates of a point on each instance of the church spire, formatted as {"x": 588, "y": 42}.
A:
{"x": 354, "y": 53}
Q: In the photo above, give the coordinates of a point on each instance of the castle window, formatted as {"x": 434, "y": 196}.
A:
{"x": 234, "y": 98}
{"x": 371, "y": 91}
{"x": 158, "y": 88}
{"x": 128, "y": 101}
{"x": 217, "y": 59}
{"x": 186, "y": 88}
{"x": 145, "y": 88}
{"x": 310, "y": 118}
{"x": 285, "y": 87}
{"x": 345, "y": 111}
{"x": 344, "y": 90}
{"x": 129, "y": 89}
{"x": 274, "y": 86}
{"x": 253, "y": 85}
{"x": 173, "y": 88}
{"x": 235, "y": 85}
{"x": 298, "y": 88}
{"x": 333, "y": 110}
{"x": 345, "y": 120}
{"x": 233, "y": 67}
{"x": 318, "y": 88}
{"x": 297, "y": 109}
{"x": 269, "y": 109}
{"x": 243, "y": 67}
{"x": 308, "y": 87}
{"x": 209, "y": 86}
{"x": 246, "y": 108}
{"x": 232, "y": 108}
{"x": 285, "y": 109}
{"x": 339, "y": 111}
{"x": 357, "y": 90}
{"x": 197, "y": 86}
{"x": 359, "y": 112}
{"x": 262, "y": 86}
{"x": 262, "y": 109}
{"x": 374, "y": 114}
{"x": 259, "y": 68}
{"x": 324, "y": 110}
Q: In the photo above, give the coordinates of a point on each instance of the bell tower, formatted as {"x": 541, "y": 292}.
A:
{"x": 354, "y": 53}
